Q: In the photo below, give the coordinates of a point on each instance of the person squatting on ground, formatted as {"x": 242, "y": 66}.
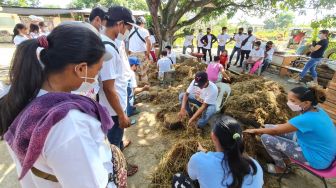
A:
{"x": 189, "y": 42}
{"x": 115, "y": 74}
{"x": 316, "y": 56}
{"x": 202, "y": 93}
{"x": 255, "y": 59}
{"x": 238, "y": 37}
{"x": 140, "y": 46}
{"x": 132, "y": 88}
{"x": 222, "y": 40}
{"x": 309, "y": 138}
{"x": 57, "y": 138}
{"x": 216, "y": 71}
{"x": 164, "y": 64}
{"x": 228, "y": 166}
{"x": 208, "y": 40}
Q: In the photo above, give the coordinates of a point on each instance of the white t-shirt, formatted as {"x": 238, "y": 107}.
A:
{"x": 256, "y": 54}
{"x": 270, "y": 54}
{"x": 249, "y": 43}
{"x": 188, "y": 40}
{"x": 135, "y": 43}
{"x": 199, "y": 37}
{"x": 208, "y": 46}
{"x": 75, "y": 151}
{"x": 208, "y": 94}
{"x": 153, "y": 41}
{"x": 34, "y": 35}
{"x": 46, "y": 33}
{"x": 164, "y": 65}
{"x": 117, "y": 69}
{"x": 18, "y": 39}
{"x": 133, "y": 82}
{"x": 172, "y": 56}
{"x": 222, "y": 38}
{"x": 239, "y": 39}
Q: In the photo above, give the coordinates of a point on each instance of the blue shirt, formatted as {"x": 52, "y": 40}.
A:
{"x": 316, "y": 136}
{"x": 207, "y": 168}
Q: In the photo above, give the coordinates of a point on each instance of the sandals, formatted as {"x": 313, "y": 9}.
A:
{"x": 131, "y": 169}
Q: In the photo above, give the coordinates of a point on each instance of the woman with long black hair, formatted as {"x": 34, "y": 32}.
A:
{"x": 57, "y": 139}
{"x": 228, "y": 166}
{"x": 20, "y": 34}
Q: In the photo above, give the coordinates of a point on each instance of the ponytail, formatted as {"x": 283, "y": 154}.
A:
{"x": 313, "y": 94}
{"x": 17, "y": 28}
{"x": 26, "y": 78}
{"x": 229, "y": 134}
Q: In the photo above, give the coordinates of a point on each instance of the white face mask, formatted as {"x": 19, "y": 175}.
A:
{"x": 102, "y": 29}
{"x": 123, "y": 36}
{"x": 86, "y": 88}
{"x": 294, "y": 107}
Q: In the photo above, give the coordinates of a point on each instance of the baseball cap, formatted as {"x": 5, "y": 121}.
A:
{"x": 201, "y": 78}
{"x": 133, "y": 61}
{"x": 119, "y": 13}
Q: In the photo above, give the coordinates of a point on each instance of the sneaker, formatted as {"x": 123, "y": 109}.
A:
{"x": 294, "y": 81}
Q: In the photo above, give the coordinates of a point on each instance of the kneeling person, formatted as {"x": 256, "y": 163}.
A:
{"x": 203, "y": 94}
{"x": 164, "y": 64}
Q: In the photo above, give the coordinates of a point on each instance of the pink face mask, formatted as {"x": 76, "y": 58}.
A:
{"x": 294, "y": 107}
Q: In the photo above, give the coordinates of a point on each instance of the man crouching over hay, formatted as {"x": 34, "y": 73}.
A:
{"x": 201, "y": 93}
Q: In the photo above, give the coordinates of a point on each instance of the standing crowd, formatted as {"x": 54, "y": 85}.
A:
{"x": 81, "y": 87}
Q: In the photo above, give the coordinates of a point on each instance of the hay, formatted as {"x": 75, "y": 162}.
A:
{"x": 172, "y": 121}
{"x": 257, "y": 101}
{"x": 176, "y": 160}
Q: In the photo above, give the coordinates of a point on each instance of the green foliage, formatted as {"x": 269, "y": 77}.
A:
{"x": 282, "y": 20}
{"x": 131, "y": 4}
{"x": 21, "y": 3}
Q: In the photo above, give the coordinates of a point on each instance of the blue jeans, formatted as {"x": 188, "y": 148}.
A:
{"x": 115, "y": 134}
{"x": 235, "y": 49}
{"x": 206, "y": 115}
{"x": 310, "y": 66}
{"x": 130, "y": 101}
{"x": 220, "y": 49}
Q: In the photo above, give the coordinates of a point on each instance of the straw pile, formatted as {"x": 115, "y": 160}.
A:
{"x": 257, "y": 101}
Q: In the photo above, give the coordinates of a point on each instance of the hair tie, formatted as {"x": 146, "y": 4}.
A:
{"x": 236, "y": 136}
{"x": 43, "y": 42}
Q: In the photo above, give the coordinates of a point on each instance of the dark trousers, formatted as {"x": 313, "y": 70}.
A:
{"x": 115, "y": 134}
{"x": 205, "y": 52}
{"x": 235, "y": 49}
{"x": 199, "y": 49}
{"x": 244, "y": 54}
{"x": 220, "y": 50}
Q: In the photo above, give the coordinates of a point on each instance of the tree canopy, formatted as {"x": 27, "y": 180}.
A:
{"x": 282, "y": 20}
{"x": 131, "y": 4}
{"x": 21, "y": 3}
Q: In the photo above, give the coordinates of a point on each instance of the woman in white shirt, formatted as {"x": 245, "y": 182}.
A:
{"x": 57, "y": 139}
{"x": 20, "y": 34}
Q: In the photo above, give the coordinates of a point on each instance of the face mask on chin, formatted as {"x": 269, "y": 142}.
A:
{"x": 102, "y": 29}
{"x": 124, "y": 36}
{"x": 294, "y": 107}
{"x": 88, "y": 89}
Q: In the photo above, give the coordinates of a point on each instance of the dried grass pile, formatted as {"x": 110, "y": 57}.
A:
{"x": 256, "y": 101}
{"x": 176, "y": 160}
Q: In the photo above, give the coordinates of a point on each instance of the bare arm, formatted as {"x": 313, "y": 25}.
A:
{"x": 280, "y": 129}
{"x": 315, "y": 48}
{"x": 199, "y": 112}
{"x": 224, "y": 74}
{"x": 148, "y": 46}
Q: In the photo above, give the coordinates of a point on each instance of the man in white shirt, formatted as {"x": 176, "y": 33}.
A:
{"x": 97, "y": 19}
{"x": 239, "y": 37}
{"x": 171, "y": 54}
{"x": 222, "y": 39}
{"x": 199, "y": 43}
{"x": 202, "y": 93}
{"x": 269, "y": 51}
{"x": 164, "y": 65}
{"x": 189, "y": 41}
{"x": 208, "y": 40}
{"x": 140, "y": 46}
{"x": 256, "y": 57}
{"x": 247, "y": 44}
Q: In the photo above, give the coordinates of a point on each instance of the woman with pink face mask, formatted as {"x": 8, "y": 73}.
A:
{"x": 309, "y": 138}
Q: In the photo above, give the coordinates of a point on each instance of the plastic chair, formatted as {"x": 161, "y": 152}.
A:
{"x": 223, "y": 88}
{"x": 321, "y": 174}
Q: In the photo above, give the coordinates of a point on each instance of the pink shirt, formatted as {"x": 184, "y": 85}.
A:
{"x": 213, "y": 70}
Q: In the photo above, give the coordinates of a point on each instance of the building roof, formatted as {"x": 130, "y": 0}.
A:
{"x": 39, "y": 11}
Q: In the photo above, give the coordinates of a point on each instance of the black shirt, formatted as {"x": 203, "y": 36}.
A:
{"x": 319, "y": 53}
